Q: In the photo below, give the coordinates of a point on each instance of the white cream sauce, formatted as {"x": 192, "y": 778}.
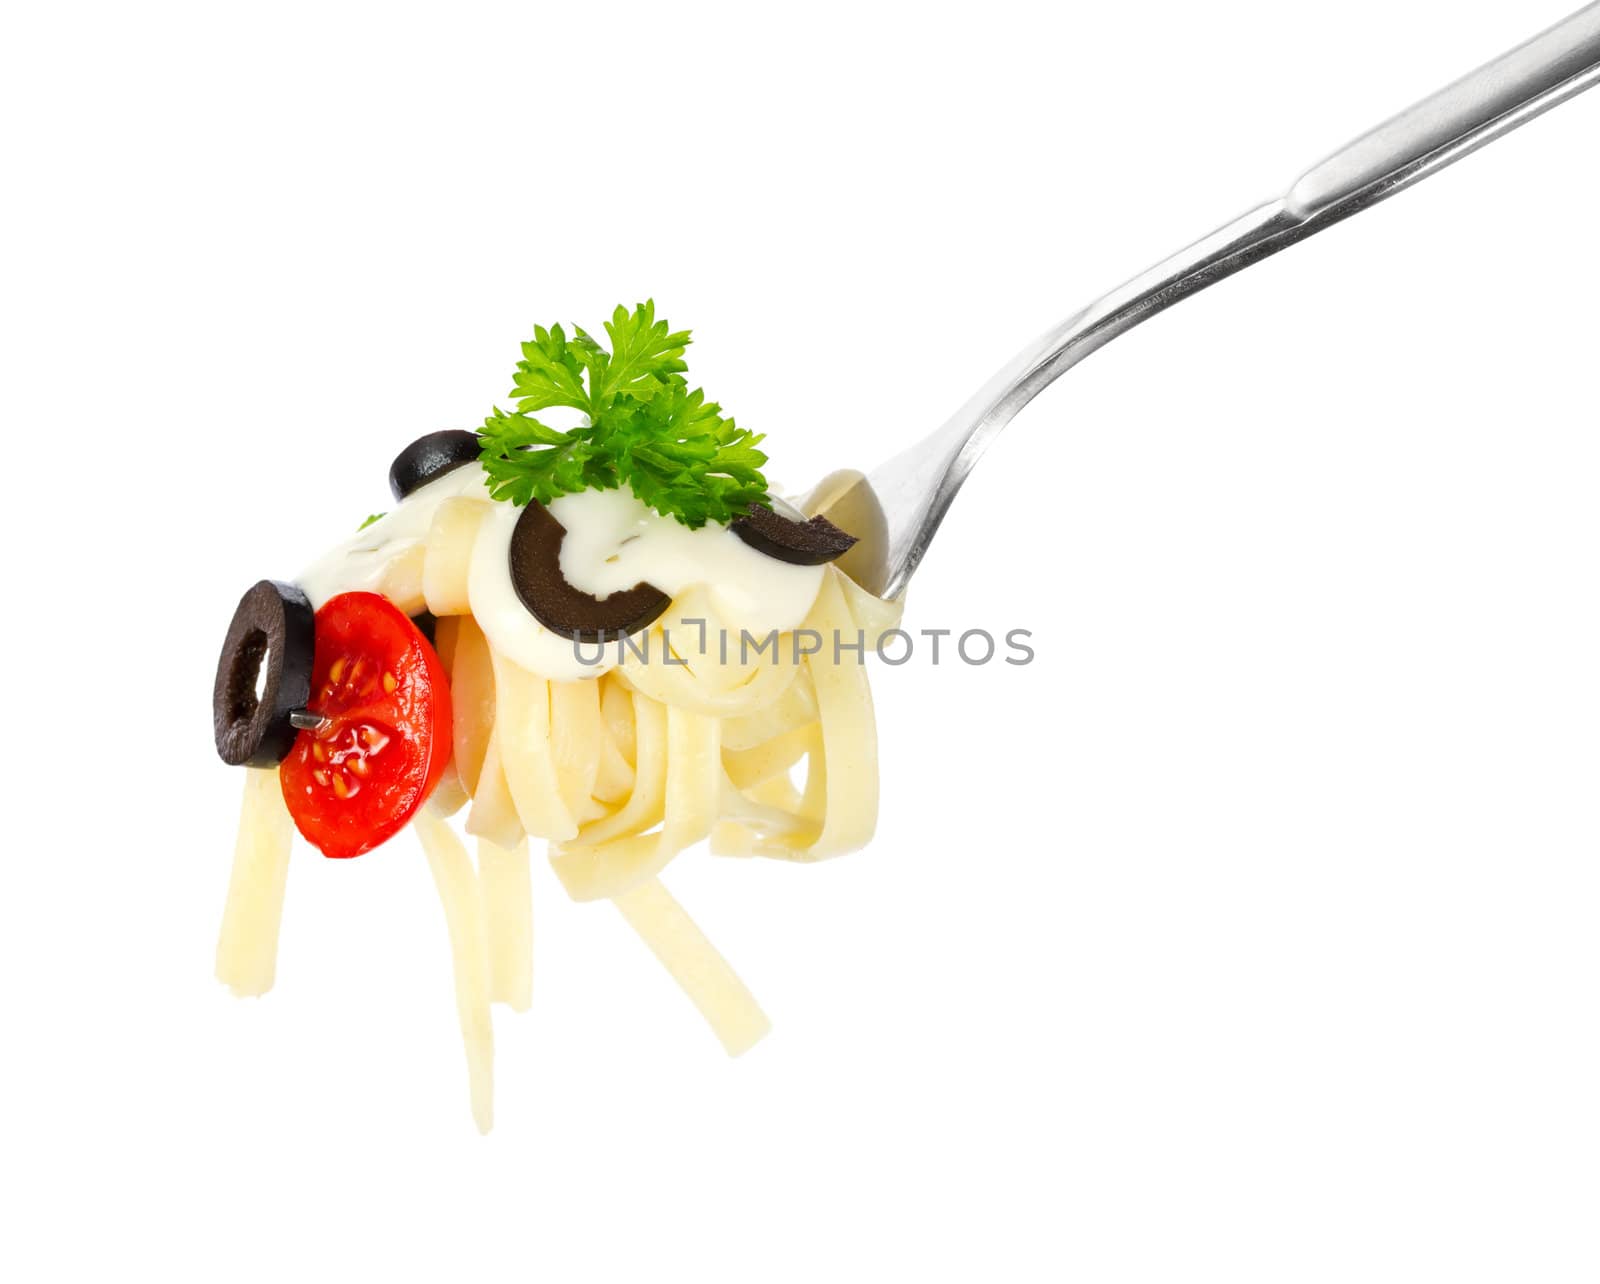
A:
{"x": 358, "y": 564}
{"x": 613, "y": 542}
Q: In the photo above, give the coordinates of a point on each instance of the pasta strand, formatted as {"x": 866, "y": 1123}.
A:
{"x": 247, "y": 945}
{"x": 508, "y": 920}
{"x": 459, "y": 893}
{"x": 694, "y": 963}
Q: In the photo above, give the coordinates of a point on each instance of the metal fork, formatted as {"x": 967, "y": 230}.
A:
{"x": 897, "y": 508}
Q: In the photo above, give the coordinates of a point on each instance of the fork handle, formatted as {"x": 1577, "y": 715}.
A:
{"x": 914, "y": 490}
{"x": 1458, "y": 119}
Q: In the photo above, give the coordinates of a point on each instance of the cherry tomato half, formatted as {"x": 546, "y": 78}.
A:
{"x": 385, "y": 740}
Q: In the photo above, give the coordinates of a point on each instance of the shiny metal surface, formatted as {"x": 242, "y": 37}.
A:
{"x": 906, "y": 498}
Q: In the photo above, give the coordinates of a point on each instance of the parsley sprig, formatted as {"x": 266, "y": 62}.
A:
{"x": 646, "y": 428}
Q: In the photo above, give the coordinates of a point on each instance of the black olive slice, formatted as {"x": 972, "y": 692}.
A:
{"x": 808, "y": 543}
{"x": 429, "y": 457}
{"x": 536, "y": 575}
{"x": 273, "y": 626}
{"x": 427, "y": 624}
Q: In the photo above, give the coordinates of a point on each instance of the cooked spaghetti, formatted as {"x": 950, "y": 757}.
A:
{"x": 698, "y": 733}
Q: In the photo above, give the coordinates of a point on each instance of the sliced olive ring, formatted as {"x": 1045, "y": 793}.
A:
{"x": 536, "y": 575}
{"x": 430, "y": 457}
{"x": 263, "y": 675}
{"x": 809, "y": 543}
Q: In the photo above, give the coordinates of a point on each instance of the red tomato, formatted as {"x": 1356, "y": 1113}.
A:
{"x": 379, "y": 685}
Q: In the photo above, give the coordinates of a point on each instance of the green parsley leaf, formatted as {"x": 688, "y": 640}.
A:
{"x": 550, "y": 373}
{"x": 644, "y": 353}
{"x": 375, "y": 517}
{"x": 527, "y": 460}
{"x": 647, "y": 429}
{"x": 681, "y": 457}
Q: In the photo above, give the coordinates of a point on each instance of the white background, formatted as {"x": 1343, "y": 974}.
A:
{"x": 1249, "y": 934}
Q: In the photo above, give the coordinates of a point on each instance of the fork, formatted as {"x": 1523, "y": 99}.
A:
{"x": 897, "y": 508}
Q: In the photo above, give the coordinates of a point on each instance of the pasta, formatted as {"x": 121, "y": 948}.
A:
{"x": 247, "y": 946}
{"x": 698, "y": 734}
